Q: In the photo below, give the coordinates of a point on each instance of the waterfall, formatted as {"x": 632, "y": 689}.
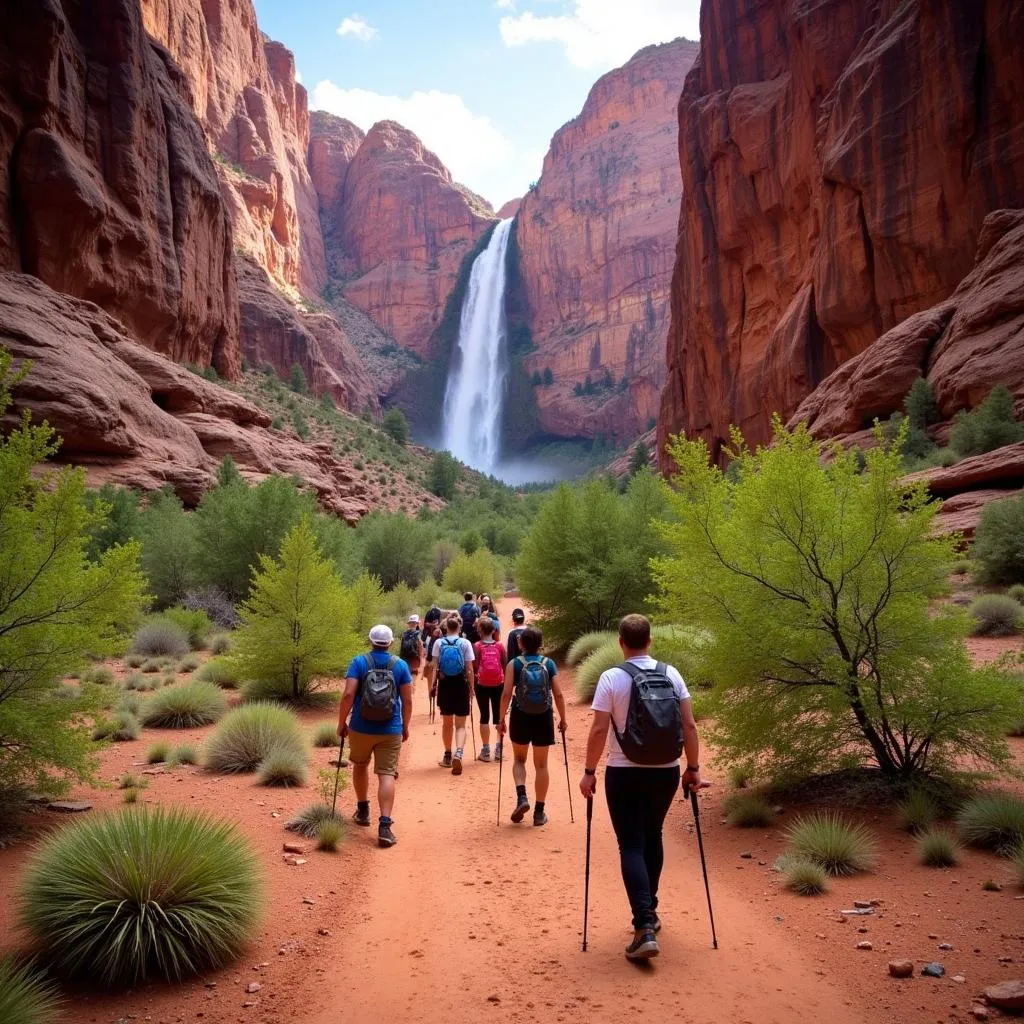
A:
{"x": 475, "y": 392}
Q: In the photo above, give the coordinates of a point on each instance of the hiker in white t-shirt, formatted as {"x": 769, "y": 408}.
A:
{"x": 641, "y": 777}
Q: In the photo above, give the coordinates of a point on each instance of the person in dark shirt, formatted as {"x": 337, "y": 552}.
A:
{"x": 513, "y": 647}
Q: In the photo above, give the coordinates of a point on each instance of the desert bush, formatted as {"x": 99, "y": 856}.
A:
{"x": 99, "y": 674}
{"x": 134, "y": 660}
{"x": 399, "y": 602}
{"x": 275, "y": 691}
{"x": 167, "y": 533}
{"x": 999, "y": 542}
{"x": 938, "y": 849}
{"x": 918, "y": 810}
{"x": 283, "y": 766}
{"x": 220, "y": 643}
{"x": 26, "y": 996}
{"x": 585, "y": 645}
{"x": 395, "y": 548}
{"x": 1016, "y": 592}
{"x": 189, "y": 663}
{"x": 993, "y": 821}
{"x": 136, "y": 681}
{"x": 479, "y": 572}
{"x": 185, "y": 753}
{"x": 739, "y": 775}
{"x": 130, "y": 796}
{"x": 747, "y": 810}
{"x": 161, "y": 637}
{"x": 995, "y": 615}
{"x": 248, "y": 735}
{"x": 119, "y": 728}
{"x": 185, "y": 707}
{"x": 194, "y": 621}
{"x": 839, "y": 846}
{"x": 1018, "y": 866}
{"x": 330, "y": 834}
{"x": 146, "y": 892}
{"x": 151, "y": 665}
{"x": 988, "y": 427}
{"x": 217, "y": 606}
{"x": 130, "y": 781}
{"x": 589, "y": 671}
{"x": 158, "y": 752}
{"x": 804, "y": 876}
{"x": 220, "y": 671}
{"x": 311, "y": 819}
{"x": 325, "y": 734}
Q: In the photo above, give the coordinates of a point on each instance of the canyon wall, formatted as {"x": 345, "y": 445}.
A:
{"x": 839, "y": 160}
{"x": 596, "y": 240}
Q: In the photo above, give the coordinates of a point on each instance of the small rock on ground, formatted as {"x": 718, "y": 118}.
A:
{"x": 253, "y": 986}
{"x": 901, "y": 968}
{"x": 933, "y": 970}
{"x": 1007, "y": 995}
{"x": 69, "y": 806}
{"x": 294, "y": 848}
{"x": 864, "y": 945}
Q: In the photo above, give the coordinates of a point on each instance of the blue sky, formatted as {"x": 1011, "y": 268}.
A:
{"x": 484, "y": 83}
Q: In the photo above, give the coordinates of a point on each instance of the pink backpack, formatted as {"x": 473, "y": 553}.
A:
{"x": 491, "y": 672}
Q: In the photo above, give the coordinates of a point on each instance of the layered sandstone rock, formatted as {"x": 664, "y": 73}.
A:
{"x": 256, "y": 118}
{"x": 132, "y": 417}
{"x": 107, "y": 191}
{"x": 509, "y": 209}
{"x": 839, "y": 160}
{"x": 403, "y": 228}
{"x": 333, "y": 143}
{"x": 596, "y": 241}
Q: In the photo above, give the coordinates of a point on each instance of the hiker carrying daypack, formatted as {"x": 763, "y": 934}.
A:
{"x": 469, "y": 612}
{"x": 490, "y": 669}
{"x": 378, "y": 691}
{"x": 409, "y": 649}
{"x": 450, "y": 659}
{"x": 653, "y": 733}
{"x": 533, "y": 685}
{"x": 430, "y": 621}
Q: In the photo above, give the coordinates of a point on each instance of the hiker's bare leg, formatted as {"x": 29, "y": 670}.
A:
{"x": 361, "y": 780}
{"x": 519, "y": 752}
{"x": 540, "y": 766}
{"x": 485, "y": 734}
{"x": 386, "y": 794}
{"x": 446, "y": 731}
{"x": 460, "y": 732}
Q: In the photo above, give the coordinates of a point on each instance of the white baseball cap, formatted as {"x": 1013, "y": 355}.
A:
{"x": 381, "y": 636}
{"x": 414, "y": 620}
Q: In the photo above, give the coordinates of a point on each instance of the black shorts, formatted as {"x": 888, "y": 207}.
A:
{"x": 453, "y": 696}
{"x": 536, "y": 729}
{"x": 488, "y": 700}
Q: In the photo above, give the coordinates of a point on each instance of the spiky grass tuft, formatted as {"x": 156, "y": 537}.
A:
{"x": 839, "y": 846}
{"x": 161, "y": 637}
{"x": 219, "y": 671}
{"x": 185, "y": 753}
{"x": 283, "y": 767}
{"x": 747, "y": 810}
{"x": 325, "y": 734}
{"x": 158, "y": 752}
{"x": 310, "y": 820}
{"x": 804, "y": 876}
{"x": 247, "y": 736}
{"x": 220, "y": 643}
{"x": 185, "y": 707}
{"x": 121, "y": 727}
{"x": 740, "y": 775}
{"x": 938, "y": 849}
{"x": 919, "y": 810}
{"x": 993, "y": 821}
{"x": 26, "y": 997}
{"x": 585, "y": 645}
{"x": 330, "y": 835}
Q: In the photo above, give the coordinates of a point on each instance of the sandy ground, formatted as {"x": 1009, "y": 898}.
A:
{"x": 469, "y": 919}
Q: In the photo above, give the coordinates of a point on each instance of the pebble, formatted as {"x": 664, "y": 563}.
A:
{"x": 979, "y": 1012}
{"x": 959, "y": 979}
{"x": 309, "y": 900}
{"x": 901, "y": 968}
{"x": 865, "y": 945}
{"x": 494, "y": 999}
{"x": 249, "y": 1002}
{"x": 862, "y": 904}
{"x": 294, "y": 848}
{"x": 945, "y": 945}
{"x": 253, "y": 986}
{"x": 746, "y": 855}
{"x": 70, "y": 806}
{"x": 932, "y": 935}
{"x": 862, "y": 930}
{"x": 323, "y": 931}
{"x": 933, "y": 970}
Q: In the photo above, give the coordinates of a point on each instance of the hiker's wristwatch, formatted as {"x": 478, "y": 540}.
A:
{"x": 693, "y": 768}
{"x": 589, "y": 771}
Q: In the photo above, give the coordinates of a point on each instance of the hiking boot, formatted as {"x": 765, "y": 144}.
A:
{"x": 485, "y": 753}
{"x": 446, "y": 761}
{"x": 385, "y": 837}
{"x": 457, "y": 762}
{"x": 539, "y": 818}
{"x": 521, "y": 808}
{"x": 497, "y": 751}
{"x": 656, "y": 927}
{"x": 362, "y": 817}
{"x": 643, "y": 947}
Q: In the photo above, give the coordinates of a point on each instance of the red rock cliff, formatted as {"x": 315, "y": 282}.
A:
{"x": 597, "y": 245}
{"x": 107, "y": 192}
{"x": 839, "y": 160}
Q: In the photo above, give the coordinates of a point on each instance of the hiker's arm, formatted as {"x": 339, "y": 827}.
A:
{"x": 406, "y": 710}
{"x": 556, "y": 692}
{"x": 596, "y": 742}
{"x": 471, "y": 674}
{"x": 506, "y": 697}
{"x": 691, "y": 744}
{"x": 347, "y": 699}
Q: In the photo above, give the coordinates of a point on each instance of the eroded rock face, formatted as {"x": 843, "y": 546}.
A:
{"x": 839, "y": 160}
{"x": 107, "y": 191}
{"x": 597, "y": 240}
{"x": 333, "y": 142}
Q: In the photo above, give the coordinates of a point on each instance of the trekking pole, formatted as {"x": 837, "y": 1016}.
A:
{"x": 501, "y": 761}
{"x": 337, "y": 775}
{"x": 586, "y": 875}
{"x": 565, "y": 751}
{"x": 692, "y": 794}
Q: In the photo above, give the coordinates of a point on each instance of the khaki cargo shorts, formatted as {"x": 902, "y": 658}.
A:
{"x": 385, "y": 750}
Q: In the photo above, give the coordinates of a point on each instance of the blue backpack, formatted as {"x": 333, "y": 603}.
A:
{"x": 533, "y": 686}
{"x": 451, "y": 662}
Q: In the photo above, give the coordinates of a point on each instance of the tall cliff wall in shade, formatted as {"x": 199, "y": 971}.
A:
{"x": 839, "y": 159}
{"x": 596, "y": 241}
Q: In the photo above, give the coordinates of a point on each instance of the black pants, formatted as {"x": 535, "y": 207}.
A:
{"x": 638, "y": 800}
{"x": 488, "y": 700}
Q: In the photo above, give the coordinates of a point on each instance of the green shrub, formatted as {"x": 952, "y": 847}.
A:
{"x": 283, "y": 767}
{"x": 248, "y": 735}
{"x": 146, "y": 892}
{"x": 219, "y": 671}
{"x": 185, "y": 753}
{"x": 395, "y": 548}
{"x": 1018, "y": 866}
{"x": 330, "y": 834}
{"x": 220, "y": 643}
{"x": 1016, "y": 592}
{"x": 99, "y": 674}
{"x": 185, "y": 707}
{"x": 160, "y": 637}
{"x": 158, "y": 752}
{"x": 804, "y": 876}
{"x": 585, "y": 645}
{"x": 280, "y": 692}
{"x": 747, "y": 810}
{"x": 189, "y": 663}
{"x": 443, "y": 475}
{"x": 26, "y": 997}
{"x": 151, "y": 665}
{"x": 589, "y": 671}
{"x": 739, "y": 775}
{"x": 988, "y": 427}
{"x": 130, "y": 781}
{"x": 839, "y": 846}
{"x": 995, "y": 615}
{"x": 129, "y": 701}
{"x": 194, "y": 621}
{"x": 963, "y": 567}
{"x": 993, "y": 821}
{"x": 120, "y": 728}
{"x": 396, "y": 426}
{"x": 938, "y": 849}
{"x": 325, "y": 734}
{"x": 999, "y": 542}
{"x": 311, "y": 819}
{"x": 134, "y": 660}
{"x": 130, "y": 795}
{"x": 919, "y": 810}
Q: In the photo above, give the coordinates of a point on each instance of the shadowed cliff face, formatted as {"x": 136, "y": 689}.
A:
{"x": 839, "y": 159}
{"x": 596, "y": 242}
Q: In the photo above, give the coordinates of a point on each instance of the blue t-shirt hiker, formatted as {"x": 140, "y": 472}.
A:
{"x": 378, "y": 697}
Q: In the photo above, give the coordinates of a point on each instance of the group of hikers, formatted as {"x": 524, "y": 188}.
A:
{"x": 642, "y": 714}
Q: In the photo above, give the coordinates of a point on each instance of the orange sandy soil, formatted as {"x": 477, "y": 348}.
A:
{"x": 468, "y": 920}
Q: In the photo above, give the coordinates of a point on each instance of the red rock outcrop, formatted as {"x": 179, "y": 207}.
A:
{"x": 256, "y": 117}
{"x": 839, "y": 160}
{"x": 333, "y": 143}
{"x": 403, "y": 228}
{"x": 596, "y": 240}
{"x": 509, "y": 209}
{"x": 107, "y": 191}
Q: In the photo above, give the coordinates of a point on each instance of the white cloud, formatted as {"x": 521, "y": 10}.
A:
{"x": 298, "y": 76}
{"x": 358, "y": 27}
{"x": 477, "y": 153}
{"x": 603, "y": 34}
{"x": 505, "y": 5}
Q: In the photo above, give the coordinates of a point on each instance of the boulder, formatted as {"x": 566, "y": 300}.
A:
{"x": 1007, "y": 995}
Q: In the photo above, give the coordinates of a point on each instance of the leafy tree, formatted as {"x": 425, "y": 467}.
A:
{"x": 922, "y": 409}
{"x": 549, "y": 377}
{"x": 443, "y": 475}
{"x": 470, "y": 540}
{"x": 297, "y": 379}
{"x": 227, "y": 472}
{"x": 999, "y": 542}
{"x": 445, "y": 552}
{"x": 296, "y": 626}
{"x": 478, "y": 571}
{"x": 367, "y": 597}
{"x": 585, "y": 561}
{"x": 988, "y": 427}
{"x": 814, "y": 585}
{"x": 395, "y": 548}
{"x": 300, "y": 424}
{"x": 639, "y": 457}
{"x": 121, "y": 523}
{"x": 327, "y": 403}
{"x": 169, "y": 551}
{"x": 396, "y": 426}
{"x": 55, "y": 605}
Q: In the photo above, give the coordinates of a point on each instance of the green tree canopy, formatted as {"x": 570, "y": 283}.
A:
{"x": 990, "y": 426}
{"x": 297, "y": 379}
{"x": 396, "y": 426}
{"x": 169, "y": 548}
{"x": 395, "y": 548}
{"x": 814, "y": 584}
{"x": 443, "y": 474}
{"x": 639, "y": 457}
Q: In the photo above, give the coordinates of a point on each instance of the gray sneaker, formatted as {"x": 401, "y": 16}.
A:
{"x": 643, "y": 947}
{"x": 446, "y": 761}
{"x": 485, "y": 753}
{"x": 457, "y": 762}
{"x": 497, "y": 751}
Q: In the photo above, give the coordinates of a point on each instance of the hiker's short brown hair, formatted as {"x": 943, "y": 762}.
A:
{"x": 530, "y": 639}
{"x": 486, "y": 625}
{"x": 453, "y": 622}
{"x": 635, "y": 632}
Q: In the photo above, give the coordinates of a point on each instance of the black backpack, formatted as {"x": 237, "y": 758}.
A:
{"x": 469, "y": 613}
{"x": 410, "y": 647}
{"x": 654, "y": 723}
{"x": 378, "y": 692}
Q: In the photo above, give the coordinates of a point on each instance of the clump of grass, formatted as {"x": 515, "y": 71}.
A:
{"x": 747, "y": 810}
{"x": 739, "y": 775}
{"x": 330, "y": 835}
{"x": 219, "y": 671}
{"x": 1016, "y": 592}
{"x": 121, "y": 727}
{"x": 993, "y": 821}
{"x": 146, "y": 892}
{"x": 220, "y": 643}
{"x": 803, "y": 876}
{"x": 128, "y": 701}
{"x": 26, "y": 997}
{"x": 938, "y": 849}
{"x": 158, "y": 753}
{"x": 589, "y": 671}
{"x": 325, "y": 734}
{"x": 151, "y": 665}
{"x": 130, "y": 781}
{"x": 1018, "y": 865}
{"x": 185, "y": 707}
{"x": 101, "y": 674}
{"x": 995, "y": 615}
{"x": 839, "y": 846}
{"x": 185, "y": 753}
{"x": 136, "y": 681}
{"x": 189, "y": 663}
{"x": 161, "y": 637}
{"x": 247, "y": 736}
{"x": 585, "y": 645}
{"x": 134, "y": 660}
{"x": 283, "y": 767}
{"x": 991, "y": 885}
{"x": 311, "y": 819}
{"x": 168, "y": 678}
{"x": 919, "y": 810}
{"x": 131, "y": 796}
{"x": 280, "y": 692}
{"x": 194, "y": 622}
